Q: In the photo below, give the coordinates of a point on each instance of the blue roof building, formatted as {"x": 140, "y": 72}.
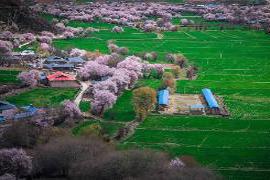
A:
{"x": 209, "y": 97}
{"x": 163, "y": 97}
{"x": 6, "y": 106}
{"x": 28, "y": 111}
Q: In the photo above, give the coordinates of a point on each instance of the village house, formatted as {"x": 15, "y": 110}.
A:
{"x": 61, "y": 64}
{"x": 27, "y": 112}
{"x": 60, "y": 79}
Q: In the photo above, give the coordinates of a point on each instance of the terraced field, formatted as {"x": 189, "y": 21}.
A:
{"x": 235, "y": 64}
{"x": 9, "y": 76}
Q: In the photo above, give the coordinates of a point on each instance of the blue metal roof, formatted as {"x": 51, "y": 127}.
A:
{"x": 28, "y": 112}
{"x": 6, "y": 106}
{"x": 209, "y": 97}
{"x": 163, "y": 97}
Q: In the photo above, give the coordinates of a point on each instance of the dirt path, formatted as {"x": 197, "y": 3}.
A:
{"x": 84, "y": 86}
{"x": 159, "y": 36}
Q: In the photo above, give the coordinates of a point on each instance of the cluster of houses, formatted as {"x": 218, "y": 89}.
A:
{"x": 9, "y": 111}
{"x": 63, "y": 64}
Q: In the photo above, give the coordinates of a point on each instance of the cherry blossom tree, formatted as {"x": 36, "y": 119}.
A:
{"x": 5, "y": 47}
{"x": 15, "y": 161}
{"x": 77, "y": 52}
{"x": 29, "y": 78}
{"x": 132, "y": 63}
{"x": 103, "y": 100}
{"x": 94, "y": 71}
{"x": 71, "y": 109}
{"x": 107, "y": 85}
{"x": 122, "y": 79}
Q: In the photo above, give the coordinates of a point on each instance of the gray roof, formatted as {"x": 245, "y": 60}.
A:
{"x": 75, "y": 60}
{"x": 55, "y": 66}
{"x": 52, "y": 59}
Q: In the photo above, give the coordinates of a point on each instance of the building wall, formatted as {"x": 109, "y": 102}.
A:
{"x": 64, "y": 84}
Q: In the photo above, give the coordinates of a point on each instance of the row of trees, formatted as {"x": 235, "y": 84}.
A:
{"x": 91, "y": 158}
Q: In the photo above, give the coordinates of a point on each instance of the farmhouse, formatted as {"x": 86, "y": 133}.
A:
{"x": 27, "y": 112}
{"x": 60, "y": 79}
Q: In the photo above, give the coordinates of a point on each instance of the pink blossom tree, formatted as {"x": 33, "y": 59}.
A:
{"x": 122, "y": 79}
{"x": 107, "y": 85}
{"x": 5, "y": 47}
{"x": 71, "y": 109}
{"x": 94, "y": 71}
{"x": 103, "y": 100}
{"x": 15, "y": 161}
{"x": 77, "y": 52}
{"x": 45, "y": 47}
{"x": 132, "y": 63}
{"x": 29, "y": 78}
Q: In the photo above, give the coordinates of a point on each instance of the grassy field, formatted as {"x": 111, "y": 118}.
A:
{"x": 9, "y": 77}
{"x": 109, "y": 128}
{"x": 235, "y": 64}
{"x": 43, "y": 97}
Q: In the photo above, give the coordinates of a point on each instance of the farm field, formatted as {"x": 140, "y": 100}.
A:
{"x": 43, "y": 97}
{"x": 9, "y": 76}
{"x": 235, "y": 64}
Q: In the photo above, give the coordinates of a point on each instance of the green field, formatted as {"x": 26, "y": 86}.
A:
{"x": 43, "y": 97}
{"x": 9, "y": 77}
{"x": 108, "y": 128}
{"x": 235, "y": 64}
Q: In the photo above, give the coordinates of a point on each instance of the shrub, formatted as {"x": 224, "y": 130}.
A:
{"x": 29, "y": 78}
{"x": 144, "y": 99}
{"x": 15, "y": 161}
{"x": 168, "y": 81}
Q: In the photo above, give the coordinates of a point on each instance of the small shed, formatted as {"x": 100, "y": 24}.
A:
{"x": 210, "y": 98}
{"x": 163, "y": 97}
{"x": 60, "y": 79}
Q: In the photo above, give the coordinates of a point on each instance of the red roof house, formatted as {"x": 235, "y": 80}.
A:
{"x": 60, "y": 79}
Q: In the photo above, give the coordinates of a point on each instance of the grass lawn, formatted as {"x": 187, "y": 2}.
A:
{"x": 85, "y": 106}
{"x": 234, "y": 63}
{"x": 123, "y": 109}
{"x": 43, "y": 97}
{"x": 109, "y": 128}
{"x": 9, "y": 77}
